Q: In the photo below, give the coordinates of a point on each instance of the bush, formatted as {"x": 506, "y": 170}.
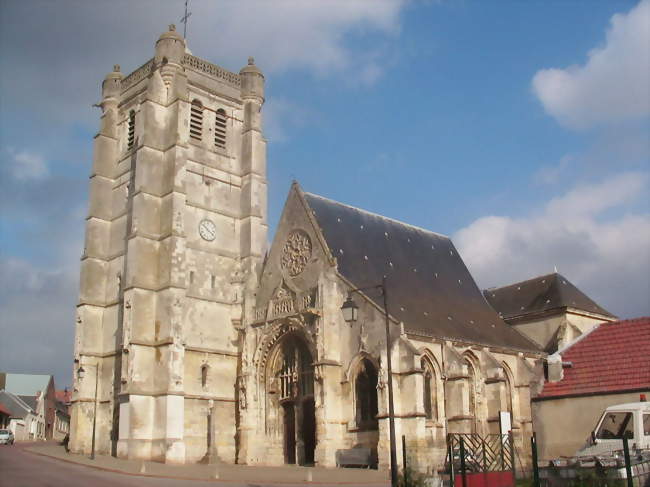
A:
{"x": 410, "y": 478}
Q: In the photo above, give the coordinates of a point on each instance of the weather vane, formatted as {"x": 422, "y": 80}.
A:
{"x": 184, "y": 19}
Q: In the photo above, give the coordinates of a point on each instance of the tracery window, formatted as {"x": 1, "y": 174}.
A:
{"x": 429, "y": 390}
{"x": 471, "y": 383}
{"x": 296, "y": 375}
{"x": 130, "y": 140}
{"x": 196, "y": 120}
{"x": 471, "y": 386}
{"x": 508, "y": 386}
{"x": 220, "y": 129}
{"x": 365, "y": 388}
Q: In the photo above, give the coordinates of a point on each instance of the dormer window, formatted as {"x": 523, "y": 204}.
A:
{"x": 131, "y": 130}
{"x": 196, "y": 120}
{"x": 220, "y": 129}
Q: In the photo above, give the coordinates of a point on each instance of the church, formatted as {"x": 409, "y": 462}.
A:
{"x": 200, "y": 344}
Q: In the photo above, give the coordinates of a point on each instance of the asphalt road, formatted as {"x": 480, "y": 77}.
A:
{"x": 19, "y": 468}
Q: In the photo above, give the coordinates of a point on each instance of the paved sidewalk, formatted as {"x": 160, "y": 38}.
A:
{"x": 222, "y": 471}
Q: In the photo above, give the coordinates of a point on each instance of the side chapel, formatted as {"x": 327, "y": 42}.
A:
{"x": 198, "y": 344}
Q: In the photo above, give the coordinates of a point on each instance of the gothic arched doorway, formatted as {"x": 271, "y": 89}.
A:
{"x": 292, "y": 392}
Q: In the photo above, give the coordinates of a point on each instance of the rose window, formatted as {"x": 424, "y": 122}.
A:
{"x": 296, "y": 252}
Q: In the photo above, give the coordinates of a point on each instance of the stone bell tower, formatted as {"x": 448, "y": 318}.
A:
{"x": 175, "y": 236}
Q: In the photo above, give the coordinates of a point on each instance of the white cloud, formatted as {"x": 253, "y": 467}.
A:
{"x": 25, "y": 165}
{"x": 37, "y": 319}
{"x": 39, "y": 270}
{"x": 609, "y": 258}
{"x": 612, "y": 86}
{"x": 588, "y": 200}
{"x": 282, "y": 117}
{"x": 46, "y": 57}
{"x": 288, "y": 34}
{"x": 49, "y": 81}
{"x": 552, "y": 174}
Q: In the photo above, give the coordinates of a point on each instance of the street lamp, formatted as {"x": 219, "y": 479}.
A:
{"x": 350, "y": 310}
{"x": 350, "y": 315}
{"x": 81, "y": 373}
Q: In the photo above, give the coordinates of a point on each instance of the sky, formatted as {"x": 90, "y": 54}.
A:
{"x": 519, "y": 129}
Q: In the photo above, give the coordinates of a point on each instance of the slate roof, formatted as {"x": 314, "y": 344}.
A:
{"x": 429, "y": 287}
{"x": 26, "y": 384}
{"x": 611, "y": 357}
{"x": 538, "y": 295}
{"x": 31, "y": 401}
{"x": 14, "y": 404}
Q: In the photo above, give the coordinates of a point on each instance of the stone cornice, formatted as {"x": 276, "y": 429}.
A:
{"x": 420, "y": 336}
{"x": 524, "y": 319}
{"x": 197, "y": 64}
{"x": 213, "y": 351}
{"x": 136, "y": 76}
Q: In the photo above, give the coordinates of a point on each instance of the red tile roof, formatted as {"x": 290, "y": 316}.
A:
{"x": 612, "y": 357}
{"x": 64, "y": 396}
{"x": 4, "y": 410}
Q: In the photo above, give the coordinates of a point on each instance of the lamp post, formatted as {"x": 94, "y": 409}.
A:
{"x": 350, "y": 312}
{"x": 81, "y": 373}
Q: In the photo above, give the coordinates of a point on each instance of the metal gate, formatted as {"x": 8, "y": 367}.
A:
{"x": 480, "y": 461}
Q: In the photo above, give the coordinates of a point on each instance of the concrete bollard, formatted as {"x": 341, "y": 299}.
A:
{"x": 216, "y": 473}
{"x": 143, "y": 468}
{"x": 309, "y": 475}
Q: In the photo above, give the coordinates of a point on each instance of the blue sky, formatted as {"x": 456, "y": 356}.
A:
{"x": 520, "y": 129}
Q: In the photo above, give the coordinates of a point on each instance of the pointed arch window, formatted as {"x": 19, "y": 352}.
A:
{"x": 508, "y": 386}
{"x": 130, "y": 140}
{"x": 196, "y": 120}
{"x": 429, "y": 390}
{"x": 365, "y": 388}
{"x": 220, "y": 128}
{"x": 471, "y": 390}
{"x": 296, "y": 376}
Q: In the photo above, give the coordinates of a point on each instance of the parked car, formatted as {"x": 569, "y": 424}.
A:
{"x": 6, "y": 437}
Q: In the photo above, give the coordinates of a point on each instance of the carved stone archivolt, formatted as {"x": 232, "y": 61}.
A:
{"x": 274, "y": 335}
{"x": 296, "y": 252}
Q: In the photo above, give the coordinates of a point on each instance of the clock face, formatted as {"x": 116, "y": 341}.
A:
{"x": 207, "y": 230}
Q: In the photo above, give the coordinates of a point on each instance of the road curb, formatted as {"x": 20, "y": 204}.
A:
{"x": 173, "y": 477}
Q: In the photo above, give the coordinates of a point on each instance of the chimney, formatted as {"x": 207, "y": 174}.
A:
{"x": 555, "y": 369}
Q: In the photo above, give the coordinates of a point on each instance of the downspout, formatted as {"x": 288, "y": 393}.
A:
{"x": 444, "y": 386}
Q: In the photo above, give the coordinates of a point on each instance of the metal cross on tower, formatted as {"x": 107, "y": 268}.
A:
{"x": 184, "y": 19}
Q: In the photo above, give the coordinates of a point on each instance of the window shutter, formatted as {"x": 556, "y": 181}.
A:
{"x": 196, "y": 120}
{"x": 131, "y": 130}
{"x": 220, "y": 129}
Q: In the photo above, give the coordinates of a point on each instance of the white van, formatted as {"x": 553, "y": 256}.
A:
{"x": 630, "y": 420}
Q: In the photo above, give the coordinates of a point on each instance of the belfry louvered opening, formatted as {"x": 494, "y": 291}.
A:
{"x": 220, "y": 129}
{"x": 196, "y": 120}
{"x": 130, "y": 140}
